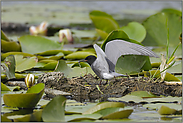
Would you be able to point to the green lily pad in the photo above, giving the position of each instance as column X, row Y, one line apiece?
column 3, row 36
column 81, row 64
column 5, row 119
column 157, row 29
column 164, row 110
column 103, row 34
column 77, row 118
column 23, row 64
column 142, row 94
column 172, row 10
column 37, row 44
column 25, row 100
column 168, row 76
column 4, row 87
column 135, row 31
column 54, row 110
column 103, row 21
column 34, row 117
column 62, row 67
column 10, row 46
column 104, row 105
column 119, row 114
column 128, row 98
column 49, row 52
column 49, row 66
column 155, row 106
column 4, row 55
column 130, row 64
column 76, row 71
column 56, row 57
column 9, row 66
column 79, row 55
column 116, row 34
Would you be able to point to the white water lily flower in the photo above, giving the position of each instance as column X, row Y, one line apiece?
column 30, row 80
column 66, row 33
column 40, row 29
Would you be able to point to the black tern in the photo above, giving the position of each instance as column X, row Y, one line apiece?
column 104, row 64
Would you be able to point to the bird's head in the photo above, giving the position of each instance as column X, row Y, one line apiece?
column 89, row 59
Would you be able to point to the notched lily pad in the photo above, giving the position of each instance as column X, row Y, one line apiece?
column 104, row 105
column 23, row 64
column 79, row 55
column 54, row 111
column 25, row 100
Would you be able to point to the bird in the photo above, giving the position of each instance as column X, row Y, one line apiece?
column 104, row 64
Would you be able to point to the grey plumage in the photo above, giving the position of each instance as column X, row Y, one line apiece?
column 104, row 64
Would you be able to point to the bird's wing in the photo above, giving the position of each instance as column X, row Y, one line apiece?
column 101, row 63
column 114, row 49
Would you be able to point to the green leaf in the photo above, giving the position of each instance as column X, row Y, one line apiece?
column 34, row 117
column 119, row 114
column 116, row 34
column 103, row 21
column 77, row 118
column 49, row 52
column 103, row 34
column 5, row 119
column 23, row 64
column 4, row 55
column 9, row 66
column 25, row 100
column 10, row 46
column 55, row 110
column 104, row 105
column 172, row 10
column 127, row 98
column 164, row 110
column 142, row 94
column 62, row 67
column 156, row 28
column 130, row 64
column 3, row 36
column 4, row 87
column 135, row 31
column 37, row 44
column 79, row 55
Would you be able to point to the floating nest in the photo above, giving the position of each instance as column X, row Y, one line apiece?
column 85, row 88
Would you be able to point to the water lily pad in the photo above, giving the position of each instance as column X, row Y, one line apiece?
column 103, row 34
column 157, row 29
column 142, row 94
column 4, row 55
column 37, row 44
column 10, row 46
column 24, row 63
column 4, row 87
column 130, row 64
column 62, row 67
column 79, row 55
column 104, row 105
column 119, row 114
column 25, row 100
column 33, row 117
column 54, row 110
column 103, row 21
column 49, row 52
column 5, row 119
column 135, row 31
column 77, row 118
column 9, row 66
column 164, row 110
column 127, row 98
column 3, row 36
